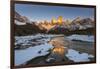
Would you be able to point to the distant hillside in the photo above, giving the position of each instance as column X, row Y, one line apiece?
column 88, row 31
column 23, row 26
column 27, row 30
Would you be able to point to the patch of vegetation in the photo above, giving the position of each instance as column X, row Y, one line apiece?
column 22, row 30
column 89, row 31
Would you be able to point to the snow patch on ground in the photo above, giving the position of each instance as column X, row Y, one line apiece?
column 81, row 37
column 26, row 40
column 77, row 57
column 19, row 23
column 49, row 59
column 22, row 56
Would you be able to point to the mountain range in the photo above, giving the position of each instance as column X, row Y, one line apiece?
column 24, row 26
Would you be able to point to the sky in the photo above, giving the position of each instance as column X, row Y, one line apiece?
column 45, row 12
